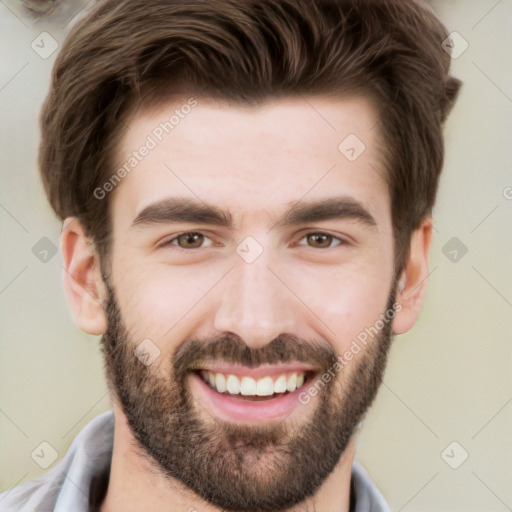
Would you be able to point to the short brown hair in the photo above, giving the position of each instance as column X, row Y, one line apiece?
column 126, row 53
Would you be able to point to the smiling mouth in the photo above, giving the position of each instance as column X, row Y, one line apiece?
column 263, row 388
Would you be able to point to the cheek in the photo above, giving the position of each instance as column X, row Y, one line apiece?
column 345, row 302
column 156, row 301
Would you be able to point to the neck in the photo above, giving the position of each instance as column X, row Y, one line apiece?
column 135, row 485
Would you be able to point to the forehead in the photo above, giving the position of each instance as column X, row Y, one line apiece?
column 251, row 161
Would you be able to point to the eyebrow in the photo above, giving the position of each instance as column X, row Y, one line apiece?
column 180, row 209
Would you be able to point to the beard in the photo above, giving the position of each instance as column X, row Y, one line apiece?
column 233, row 466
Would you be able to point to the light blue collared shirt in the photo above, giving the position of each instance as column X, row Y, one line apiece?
column 78, row 482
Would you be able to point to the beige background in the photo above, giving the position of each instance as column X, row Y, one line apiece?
column 449, row 379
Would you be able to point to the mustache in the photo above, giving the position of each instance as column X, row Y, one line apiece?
column 229, row 348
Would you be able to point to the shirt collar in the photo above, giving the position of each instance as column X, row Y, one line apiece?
column 89, row 457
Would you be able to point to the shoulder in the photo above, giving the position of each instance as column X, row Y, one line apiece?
column 90, row 449
column 368, row 498
column 39, row 494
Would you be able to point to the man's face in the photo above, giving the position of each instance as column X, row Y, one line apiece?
column 261, row 304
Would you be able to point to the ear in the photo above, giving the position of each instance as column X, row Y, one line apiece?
column 413, row 282
column 83, row 283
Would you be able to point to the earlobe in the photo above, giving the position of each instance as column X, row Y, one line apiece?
column 83, row 282
column 413, row 282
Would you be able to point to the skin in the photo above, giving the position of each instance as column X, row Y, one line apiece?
column 253, row 162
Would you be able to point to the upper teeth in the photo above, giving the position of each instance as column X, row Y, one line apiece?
column 247, row 386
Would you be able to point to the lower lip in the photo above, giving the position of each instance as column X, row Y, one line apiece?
column 236, row 408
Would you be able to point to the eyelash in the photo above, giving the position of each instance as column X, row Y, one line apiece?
column 169, row 242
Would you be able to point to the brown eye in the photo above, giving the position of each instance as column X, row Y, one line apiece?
column 190, row 240
column 322, row 240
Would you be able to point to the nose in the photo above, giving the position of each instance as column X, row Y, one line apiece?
column 256, row 303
